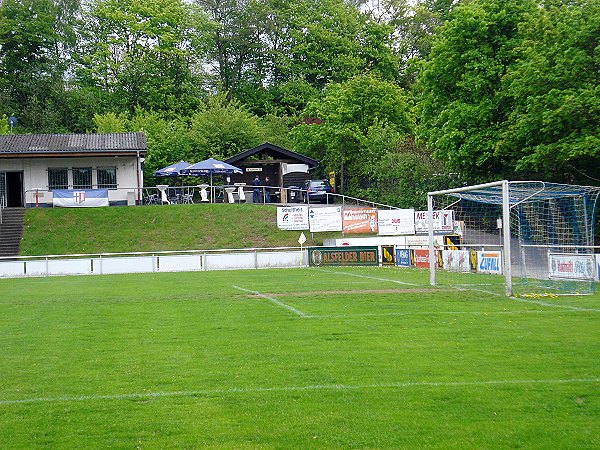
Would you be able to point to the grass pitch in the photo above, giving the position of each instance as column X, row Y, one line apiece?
column 293, row 358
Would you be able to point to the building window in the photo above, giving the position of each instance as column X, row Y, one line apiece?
column 58, row 179
column 82, row 178
column 107, row 177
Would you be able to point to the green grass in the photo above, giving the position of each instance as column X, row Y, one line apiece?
column 59, row 231
column 341, row 358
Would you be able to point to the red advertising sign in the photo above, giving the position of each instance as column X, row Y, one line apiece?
column 420, row 258
column 359, row 220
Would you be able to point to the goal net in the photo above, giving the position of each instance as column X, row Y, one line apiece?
column 520, row 237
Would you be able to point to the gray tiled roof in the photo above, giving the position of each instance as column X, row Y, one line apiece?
column 28, row 144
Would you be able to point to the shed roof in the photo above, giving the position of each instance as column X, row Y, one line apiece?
column 275, row 152
column 42, row 145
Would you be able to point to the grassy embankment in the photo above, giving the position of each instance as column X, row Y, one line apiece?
column 61, row 231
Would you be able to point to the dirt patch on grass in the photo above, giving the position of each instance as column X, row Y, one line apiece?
column 356, row 292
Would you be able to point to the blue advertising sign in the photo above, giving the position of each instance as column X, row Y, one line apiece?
column 403, row 257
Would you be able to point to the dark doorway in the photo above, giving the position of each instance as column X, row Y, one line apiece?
column 14, row 189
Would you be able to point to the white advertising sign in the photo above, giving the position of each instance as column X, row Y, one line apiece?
column 489, row 262
column 443, row 221
column 396, row 221
column 328, row 218
column 571, row 266
column 292, row 217
column 456, row 260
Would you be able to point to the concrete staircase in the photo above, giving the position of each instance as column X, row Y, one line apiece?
column 11, row 231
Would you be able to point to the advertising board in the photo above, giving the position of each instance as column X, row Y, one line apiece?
column 292, row 217
column 403, row 257
column 359, row 220
column 456, row 260
column 571, row 266
column 489, row 262
column 420, row 258
column 396, row 221
column 443, row 221
column 388, row 255
column 343, row 256
column 328, row 218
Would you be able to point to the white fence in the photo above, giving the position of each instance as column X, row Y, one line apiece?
column 187, row 261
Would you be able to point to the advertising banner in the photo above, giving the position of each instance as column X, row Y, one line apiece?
column 571, row 266
column 403, row 257
column 388, row 255
column 456, row 260
column 597, row 267
column 343, row 256
column 396, row 221
column 489, row 262
column 328, row 218
column 80, row 198
column 359, row 220
column 443, row 222
column 420, row 258
column 292, row 217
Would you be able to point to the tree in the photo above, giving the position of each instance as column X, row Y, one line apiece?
column 553, row 131
column 357, row 123
column 462, row 102
column 138, row 54
column 223, row 128
column 35, row 39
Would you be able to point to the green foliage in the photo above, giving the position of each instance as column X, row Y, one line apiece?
column 554, row 129
column 405, row 175
column 362, row 119
column 110, row 123
column 461, row 98
column 223, row 128
column 4, row 126
column 138, row 53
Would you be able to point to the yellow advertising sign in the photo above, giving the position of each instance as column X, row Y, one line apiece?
column 359, row 220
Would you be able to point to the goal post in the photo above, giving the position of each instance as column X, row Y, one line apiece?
column 538, row 236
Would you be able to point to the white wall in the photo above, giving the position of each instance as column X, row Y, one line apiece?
column 35, row 174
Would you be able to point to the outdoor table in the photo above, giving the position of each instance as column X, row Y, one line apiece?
column 163, row 193
column 203, row 193
column 229, row 191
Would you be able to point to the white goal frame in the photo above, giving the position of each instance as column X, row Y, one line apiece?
column 513, row 194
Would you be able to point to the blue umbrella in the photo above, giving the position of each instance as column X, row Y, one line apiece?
column 173, row 170
column 210, row 166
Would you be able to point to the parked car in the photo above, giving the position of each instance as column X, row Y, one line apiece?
column 317, row 191
column 294, row 194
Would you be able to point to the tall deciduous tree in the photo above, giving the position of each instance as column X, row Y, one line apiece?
column 36, row 37
column 463, row 105
column 358, row 122
column 137, row 53
column 554, row 129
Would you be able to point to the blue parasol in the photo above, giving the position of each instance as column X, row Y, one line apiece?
column 173, row 170
column 210, row 166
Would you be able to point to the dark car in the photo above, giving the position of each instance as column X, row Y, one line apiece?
column 317, row 191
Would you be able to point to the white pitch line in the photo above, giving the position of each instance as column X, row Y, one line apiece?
column 366, row 276
column 275, row 301
column 554, row 305
column 313, row 387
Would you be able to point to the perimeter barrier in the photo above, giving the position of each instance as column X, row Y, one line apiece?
column 149, row 262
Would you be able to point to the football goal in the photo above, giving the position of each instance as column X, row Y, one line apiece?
column 522, row 237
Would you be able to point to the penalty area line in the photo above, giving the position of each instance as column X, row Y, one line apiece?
column 274, row 301
column 313, row 387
